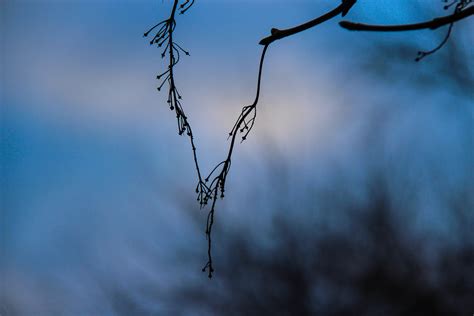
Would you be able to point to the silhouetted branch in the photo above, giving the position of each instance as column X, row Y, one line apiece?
column 242, row 125
column 213, row 186
column 246, row 121
column 462, row 10
column 164, row 37
column 432, row 24
column 277, row 34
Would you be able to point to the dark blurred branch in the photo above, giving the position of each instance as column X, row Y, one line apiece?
column 432, row 25
column 277, row 34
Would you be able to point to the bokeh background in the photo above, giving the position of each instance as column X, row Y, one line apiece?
column 353, row 194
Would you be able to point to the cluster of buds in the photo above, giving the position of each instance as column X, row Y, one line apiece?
column 245, row 122
column 163, row 38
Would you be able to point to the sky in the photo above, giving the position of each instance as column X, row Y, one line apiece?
column 97, row 188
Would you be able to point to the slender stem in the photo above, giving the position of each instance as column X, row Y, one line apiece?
column 251, row 107
column 170, row 32
column 218, row 183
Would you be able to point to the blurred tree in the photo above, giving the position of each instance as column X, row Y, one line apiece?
column 369, row 268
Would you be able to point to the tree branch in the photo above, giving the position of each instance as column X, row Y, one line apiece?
column 277, row 34
column 432, row 25
column 213, row 186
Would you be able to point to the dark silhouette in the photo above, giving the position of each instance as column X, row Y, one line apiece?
column 462, row 10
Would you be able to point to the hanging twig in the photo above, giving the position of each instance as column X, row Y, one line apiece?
column 164, row 38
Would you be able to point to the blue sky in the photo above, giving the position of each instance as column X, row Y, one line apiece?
column 98, row 187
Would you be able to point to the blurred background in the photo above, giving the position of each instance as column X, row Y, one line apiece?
column 353, row 195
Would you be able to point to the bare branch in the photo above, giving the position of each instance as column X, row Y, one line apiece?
column 432, row 24
column 277, row 34
column 164, row 38
column 462, row 10
column 218, row 182
column 213, row 185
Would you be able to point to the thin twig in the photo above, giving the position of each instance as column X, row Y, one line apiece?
column 218, row 183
